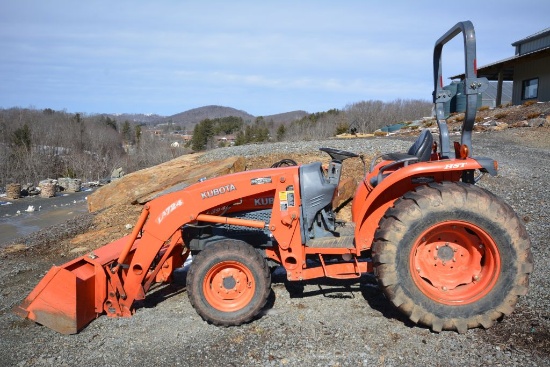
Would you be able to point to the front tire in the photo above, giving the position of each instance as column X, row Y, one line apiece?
column 452, row 256
column 228, row 283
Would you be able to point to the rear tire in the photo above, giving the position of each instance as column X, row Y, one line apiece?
column 452, row 256
column 228, row 283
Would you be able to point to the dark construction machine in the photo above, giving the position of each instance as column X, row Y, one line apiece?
column 448, row 254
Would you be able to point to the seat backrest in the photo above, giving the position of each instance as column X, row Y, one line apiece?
column 422, row 147
column 316, row 192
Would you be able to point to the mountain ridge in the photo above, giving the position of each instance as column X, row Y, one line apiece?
column 196, row 115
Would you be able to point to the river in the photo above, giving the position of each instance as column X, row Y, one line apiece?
column 24, row 216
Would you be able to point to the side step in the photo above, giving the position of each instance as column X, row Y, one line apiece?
column 344, row 239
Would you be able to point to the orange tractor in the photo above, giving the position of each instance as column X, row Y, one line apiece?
column 447, row 253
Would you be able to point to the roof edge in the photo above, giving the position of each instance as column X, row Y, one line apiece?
column 539, row 34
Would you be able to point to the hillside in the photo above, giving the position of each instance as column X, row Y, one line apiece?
column 196, row 115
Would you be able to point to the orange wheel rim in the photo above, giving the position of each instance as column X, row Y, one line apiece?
column 229, row 286
column 455, row 263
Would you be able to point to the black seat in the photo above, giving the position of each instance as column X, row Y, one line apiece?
column 420, row 151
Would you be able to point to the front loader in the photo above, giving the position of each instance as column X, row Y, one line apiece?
column 447, row 253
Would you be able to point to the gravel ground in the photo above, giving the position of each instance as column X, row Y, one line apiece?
column 333, row 324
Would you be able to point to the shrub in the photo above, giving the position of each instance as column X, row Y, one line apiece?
column 456, row 118
column 532, row 115
column 501, row 115
column 529, row 103
column 483, row 108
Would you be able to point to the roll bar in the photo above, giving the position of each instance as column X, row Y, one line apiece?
column 472, row 86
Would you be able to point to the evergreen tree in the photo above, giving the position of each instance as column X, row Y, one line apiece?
column 202, row 135
column 138, row 133
column 22, row 137
column 281, row 131
column 111, row 123
column 126, row 129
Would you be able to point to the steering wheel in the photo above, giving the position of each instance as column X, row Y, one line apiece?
column 338, row 155
column 284, row 162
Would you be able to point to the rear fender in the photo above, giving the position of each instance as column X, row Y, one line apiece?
column 371, row 203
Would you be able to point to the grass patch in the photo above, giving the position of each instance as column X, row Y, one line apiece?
column 529, row 103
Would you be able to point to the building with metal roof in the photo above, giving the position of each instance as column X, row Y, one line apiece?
column 528, row 70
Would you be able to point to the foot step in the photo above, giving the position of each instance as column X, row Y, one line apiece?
column 345, row 238
column 332, row 242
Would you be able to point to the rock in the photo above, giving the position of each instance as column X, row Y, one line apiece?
column 539, row 122
column 501, row 126
column 523, row 123
column 69, row 184
column 142, row 186
column 117, row 173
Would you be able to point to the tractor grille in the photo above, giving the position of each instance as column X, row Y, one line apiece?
column 260, row 215
column 200, row 237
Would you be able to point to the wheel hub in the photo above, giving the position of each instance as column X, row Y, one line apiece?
column 451, row 263
column 229, row 282
column 446, row 253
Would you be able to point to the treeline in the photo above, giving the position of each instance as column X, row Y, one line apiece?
column 361, row 117
column 210, row 133
column 40, row 144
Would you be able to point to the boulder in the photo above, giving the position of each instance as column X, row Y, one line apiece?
column 142, row 186
column 522, row 123
column 539, row 122
column 69, row 184
column 117, row 173
column 501, row 126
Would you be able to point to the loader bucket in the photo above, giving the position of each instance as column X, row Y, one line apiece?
column 71, row 295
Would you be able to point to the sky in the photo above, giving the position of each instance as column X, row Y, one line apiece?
column 262, row 57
